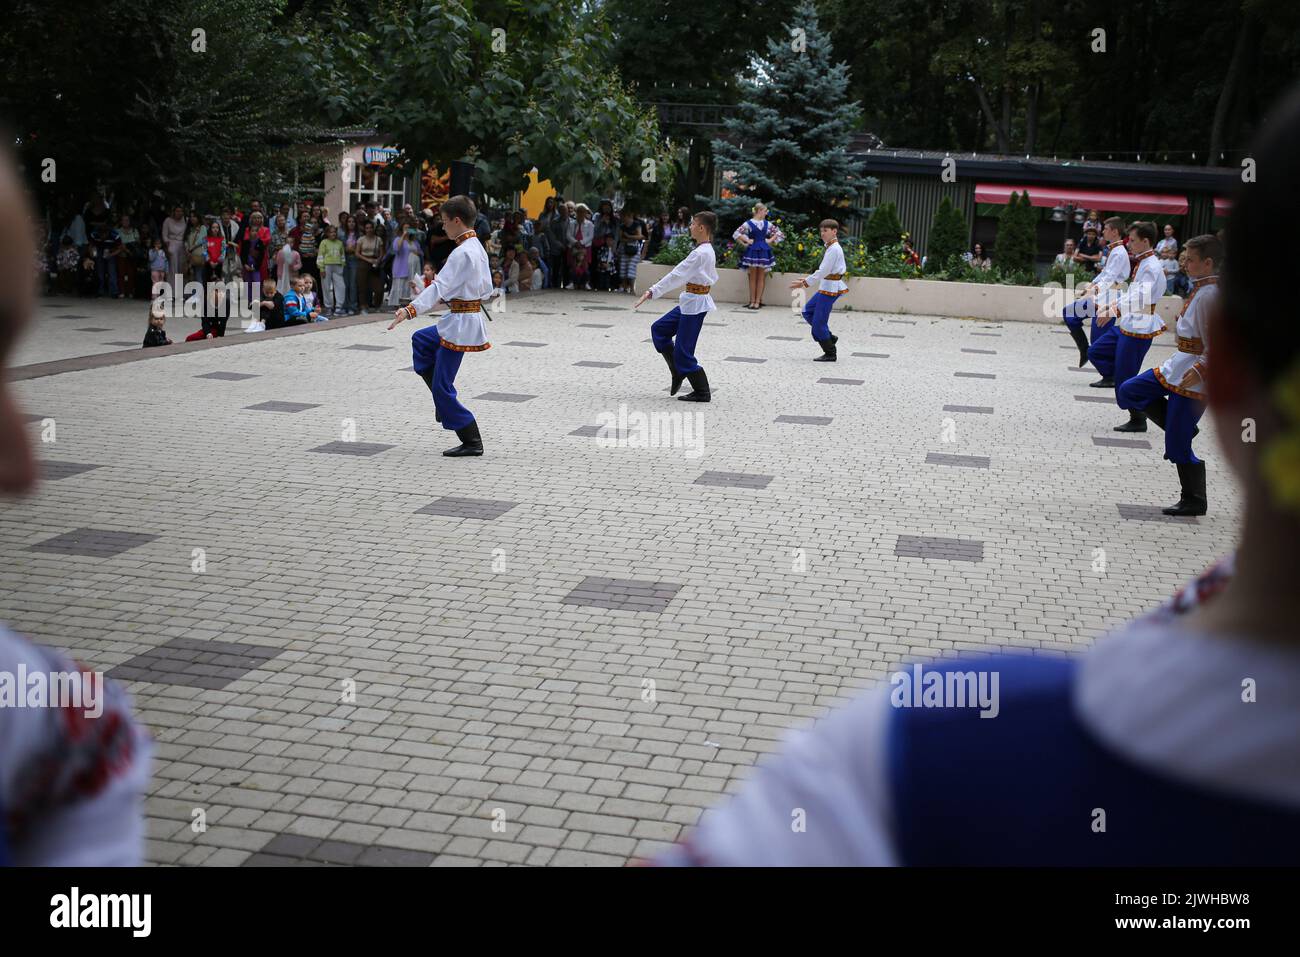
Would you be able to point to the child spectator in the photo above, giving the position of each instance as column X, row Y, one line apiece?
column 309, row 299
column 270, row 314
column 154, row 334
column 631, row 240
column 288, row 263
column 68, row 261
column 295, row 306
column 525, row 272
column 88, row 284
column 541, row 272
column 510, row 269
column 425, row 280
column 330, row 259
column 157, row 262
column 216, row 252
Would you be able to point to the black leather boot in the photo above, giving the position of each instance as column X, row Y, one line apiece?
column 428, row 380
column 1105, row 382
column 1137, row 422
column 1193, row 500
column 828, row 350
column 1156, row 412
column 1081, row 340
column 677, row 376
column 471, row 443
column 700, row 385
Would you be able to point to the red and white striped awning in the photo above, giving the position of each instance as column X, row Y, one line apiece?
column 1105, row 200
column 1222, row 206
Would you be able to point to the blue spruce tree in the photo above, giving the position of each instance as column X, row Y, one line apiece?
column 787, row 142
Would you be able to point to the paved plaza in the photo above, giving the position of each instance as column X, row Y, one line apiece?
column 351, row 650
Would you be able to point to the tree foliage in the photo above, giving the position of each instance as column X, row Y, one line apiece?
column 788, row 142
column 168, row 97
column 884, row 228
column 505, row 84
column 948, row 235
column 1016, row 242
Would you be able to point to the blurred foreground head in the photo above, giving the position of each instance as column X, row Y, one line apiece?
column 1254, row 376
column 17, row 293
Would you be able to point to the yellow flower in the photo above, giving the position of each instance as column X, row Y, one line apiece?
column 801, row 247
column 1287, row 395
column 1281, row 467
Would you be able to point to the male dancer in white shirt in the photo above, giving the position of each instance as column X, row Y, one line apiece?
column 1095, row 296
column 1136, row 312
column 1173, row 396
column 675, row 333
column 465, row 280
column 829, row 279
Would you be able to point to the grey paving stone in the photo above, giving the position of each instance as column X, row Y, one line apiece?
column 595, row 325
column 1102, row 399
column 623, row 594
column 197, row 663
column 962, row 461
column 94, row 328
column 527, row 345
column 833, row 381
column 735, row 479
column 32, row 417
column 592, row 364
column 991, row 335
column 503, row 397
column 976, row 409
column 902, row 322
column 943, row 549
column 93, row 542
column 1109, row 442
column 53, row 471
column 479, row 508
column 742, row 359
column 804, row 419
column 277, row 406
column 887, row 335
column 715, row 323
column 1153, row 513
column 364, row 347
column 982, row 352
column 604, row 308
column 787, row 338
column 598, row 431
column 228, row 376
column 394, row 857
column 352, row 448
column 974, row 375
column 872, row 355
column 76, row 316
column 125, row 342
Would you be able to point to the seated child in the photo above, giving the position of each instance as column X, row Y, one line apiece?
column 154, row 334
column 68, row 261
column 295, row 307
column 270, row 315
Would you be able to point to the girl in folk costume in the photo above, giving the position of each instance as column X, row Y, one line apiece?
column 757, row 236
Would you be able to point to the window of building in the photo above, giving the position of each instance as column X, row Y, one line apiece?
column 385, row 188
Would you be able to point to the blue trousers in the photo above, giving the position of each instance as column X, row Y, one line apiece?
column 1082, row 309
column 677, row 331
column 1129, row 353
column 1181, row 413
column 817, row 313
column 428, row 354
column 1102, row 351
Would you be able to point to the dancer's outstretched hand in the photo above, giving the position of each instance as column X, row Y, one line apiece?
column 401, row 315
column 799, row 284
column 644, row 296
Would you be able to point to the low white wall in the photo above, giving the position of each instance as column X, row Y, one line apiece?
column 917, row 297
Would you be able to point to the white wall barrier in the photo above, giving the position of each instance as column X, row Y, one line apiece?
column 914, row 297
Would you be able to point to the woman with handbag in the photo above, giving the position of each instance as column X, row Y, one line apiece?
column 370, row 278
column 196, row 247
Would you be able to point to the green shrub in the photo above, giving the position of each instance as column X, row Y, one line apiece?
column 883, row 229
column 948, row 235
